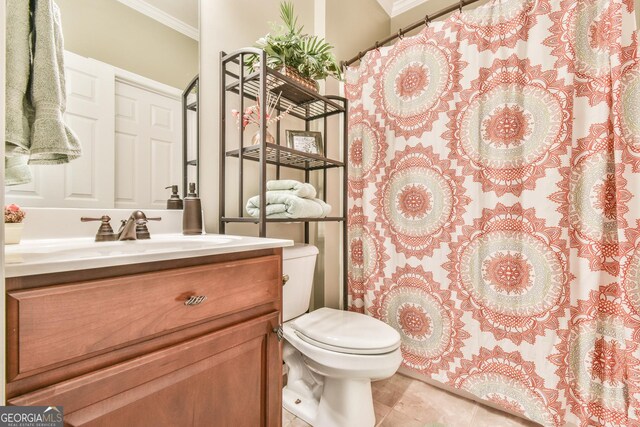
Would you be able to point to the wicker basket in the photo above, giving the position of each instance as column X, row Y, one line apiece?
column 293, row 74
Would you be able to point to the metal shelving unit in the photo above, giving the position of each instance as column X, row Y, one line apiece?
column 190, row 99
column 303, row 104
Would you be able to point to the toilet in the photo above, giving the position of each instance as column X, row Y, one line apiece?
column 331, row 356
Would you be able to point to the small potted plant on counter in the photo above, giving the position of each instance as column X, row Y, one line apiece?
column 13, row 217
column 301, row 57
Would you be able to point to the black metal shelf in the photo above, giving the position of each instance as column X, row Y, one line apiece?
column 302, row 103
column 189, row 158
column 292, row 220
column 239, row 86
column 287, row 157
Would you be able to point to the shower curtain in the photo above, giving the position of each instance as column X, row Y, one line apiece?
column 494, row 205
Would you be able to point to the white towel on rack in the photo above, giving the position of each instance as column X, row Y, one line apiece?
column 282, row 204
column 292, row 186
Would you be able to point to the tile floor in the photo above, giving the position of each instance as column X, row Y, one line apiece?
column 404, row 402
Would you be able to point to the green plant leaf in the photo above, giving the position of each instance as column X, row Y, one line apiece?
column 311, row 56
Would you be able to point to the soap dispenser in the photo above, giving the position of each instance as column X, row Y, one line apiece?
column 192, row 215
column 174, row 202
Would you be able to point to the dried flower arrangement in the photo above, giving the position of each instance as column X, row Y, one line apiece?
column 252, row 114
column 13, row 214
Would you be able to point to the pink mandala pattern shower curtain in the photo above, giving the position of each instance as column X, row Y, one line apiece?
column 494, row 216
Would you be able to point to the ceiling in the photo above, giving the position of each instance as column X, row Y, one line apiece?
column 181, row 15
column 396, row 7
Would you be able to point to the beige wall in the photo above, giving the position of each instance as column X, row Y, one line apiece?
column 354, row 25
column 420, row 11
column 111, row 32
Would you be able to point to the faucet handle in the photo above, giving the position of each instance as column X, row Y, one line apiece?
column 142, row 232
column 105, row 232
column 140, row 217
column 103, row 218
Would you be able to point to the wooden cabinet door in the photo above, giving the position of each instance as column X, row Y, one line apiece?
column 227, row 378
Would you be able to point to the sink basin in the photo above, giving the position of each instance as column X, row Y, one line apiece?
column 61, row 250
column 55, row 255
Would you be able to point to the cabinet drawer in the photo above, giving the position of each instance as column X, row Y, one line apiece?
column 48, row 326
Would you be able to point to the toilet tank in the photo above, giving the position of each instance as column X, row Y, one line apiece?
column 298, row 262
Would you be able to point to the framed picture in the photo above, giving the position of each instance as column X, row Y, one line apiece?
column 305, row 141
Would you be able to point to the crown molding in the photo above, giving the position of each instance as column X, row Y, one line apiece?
column 147, row 84
column 400, row 6
column 162, row 17
column 387, row 5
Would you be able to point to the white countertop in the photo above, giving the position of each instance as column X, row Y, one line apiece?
column 32, row 257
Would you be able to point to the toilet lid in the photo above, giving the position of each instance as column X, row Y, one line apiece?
column 346, row 332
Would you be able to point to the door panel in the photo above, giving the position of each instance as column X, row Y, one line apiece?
column 229, row 378
column 131, row 138
column 222, row 390
column 86, row 182
column 152, row 123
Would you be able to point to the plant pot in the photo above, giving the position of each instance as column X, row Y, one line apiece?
column 12, row 233
column 255, row 139
column 293, row 74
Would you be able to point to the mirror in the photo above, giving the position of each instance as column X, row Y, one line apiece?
column 127, row 67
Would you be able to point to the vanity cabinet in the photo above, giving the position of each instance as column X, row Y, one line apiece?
column 122, row 348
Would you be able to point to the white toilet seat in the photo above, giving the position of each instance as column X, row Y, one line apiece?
column 346, row 350
column 346, row 332
column 344, row 365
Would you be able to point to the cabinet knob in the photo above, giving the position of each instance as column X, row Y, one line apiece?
column 285, row 279
column 195, row 300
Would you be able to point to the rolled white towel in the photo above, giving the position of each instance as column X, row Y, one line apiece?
column 300, row 189
column 282, row 204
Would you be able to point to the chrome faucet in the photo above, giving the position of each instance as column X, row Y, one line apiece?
column 135, row 228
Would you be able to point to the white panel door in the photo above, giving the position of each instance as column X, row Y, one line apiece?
column 86, row 182
column 148, row 147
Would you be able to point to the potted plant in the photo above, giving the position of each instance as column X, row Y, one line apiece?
column 13, row 217
column 300, row 56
